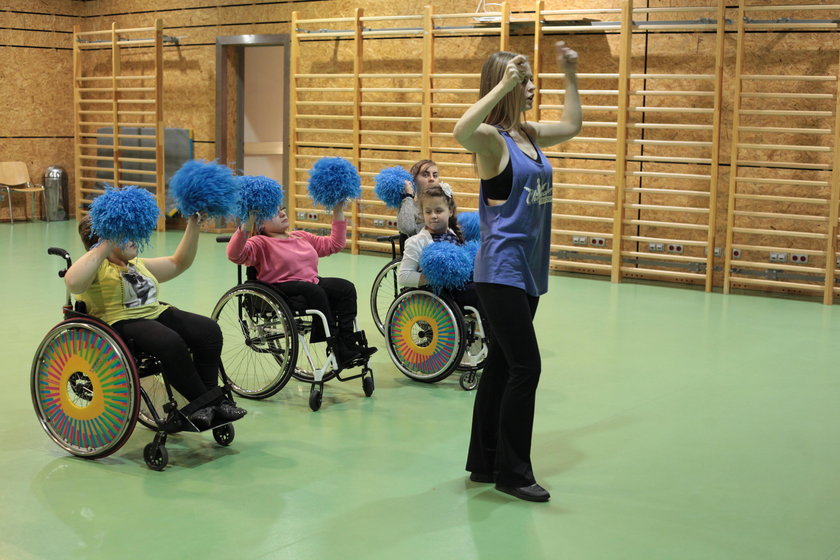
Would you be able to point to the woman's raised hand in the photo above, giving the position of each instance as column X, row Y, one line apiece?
column 566, row 57
column 516, row 71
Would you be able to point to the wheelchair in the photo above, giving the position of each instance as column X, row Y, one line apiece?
column 386, row 288
column 429, row 336
column 89, row 390
column 267, row 342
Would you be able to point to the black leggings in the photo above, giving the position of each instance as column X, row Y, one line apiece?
column 503, row 414
column 334, row 297
column 187, row 345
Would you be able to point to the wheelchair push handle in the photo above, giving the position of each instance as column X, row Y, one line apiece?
column 59, row 252
column 394, row 240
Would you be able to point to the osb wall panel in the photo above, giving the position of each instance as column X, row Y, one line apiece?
column 36, row 89
column 189, row 97
column 38, row 154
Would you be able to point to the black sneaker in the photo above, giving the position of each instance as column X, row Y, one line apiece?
column 202, row 418
column 228, row 412
column 368, row 351
column 345, row 354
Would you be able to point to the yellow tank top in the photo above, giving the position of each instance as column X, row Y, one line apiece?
column 119, row 293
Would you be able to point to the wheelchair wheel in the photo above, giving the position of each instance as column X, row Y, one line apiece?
column 469, row 380
column 260, row 336
column 224, row 434
column 425, row 335
column 385, row 290
column 156, row 456
column 85, row 388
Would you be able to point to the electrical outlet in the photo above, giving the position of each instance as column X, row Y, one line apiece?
column 675, row 248
column 656, row 247
column 391, row 223
column 736, row 253
column 797, row 258
column 597, row 241
column 311, row 216
column 301, row 215
column 718, row 251
column 778, row 257
column 579, row 240
column 378, row 223
column 837, row 262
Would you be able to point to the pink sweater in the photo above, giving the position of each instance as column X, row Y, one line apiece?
column 282, row 259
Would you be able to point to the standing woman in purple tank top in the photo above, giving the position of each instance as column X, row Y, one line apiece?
column 511, row 267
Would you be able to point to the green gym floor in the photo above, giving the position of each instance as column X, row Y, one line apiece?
column 671, row 424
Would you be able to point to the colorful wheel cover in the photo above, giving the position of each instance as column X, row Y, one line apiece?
column 85, row 390
column 424, row 333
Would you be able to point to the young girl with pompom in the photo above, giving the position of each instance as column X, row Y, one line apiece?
column 288, row 260
column 440, row 224
column 122, row 289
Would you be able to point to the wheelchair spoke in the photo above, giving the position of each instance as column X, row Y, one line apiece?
column 259, row 333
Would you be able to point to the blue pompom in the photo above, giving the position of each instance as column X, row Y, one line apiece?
column 126, row 215
column 472, row 248
column 333, row 180
column 447, row 266
column 468, row 221
column 258, row 195
column 206, row 187
column 390, row 184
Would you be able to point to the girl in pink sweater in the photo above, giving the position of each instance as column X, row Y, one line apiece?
column 288, row 261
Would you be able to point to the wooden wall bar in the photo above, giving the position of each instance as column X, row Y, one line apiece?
column 691, row 137
column 639, row 193
column 126, row 95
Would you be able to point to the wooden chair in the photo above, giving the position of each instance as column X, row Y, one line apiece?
column 14, row 177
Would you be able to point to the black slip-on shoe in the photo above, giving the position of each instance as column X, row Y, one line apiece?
column 202, row 418
column 532, row 493
column 228, row 412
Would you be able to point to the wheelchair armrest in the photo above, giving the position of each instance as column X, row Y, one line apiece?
column 222, row 238
column 390, row 238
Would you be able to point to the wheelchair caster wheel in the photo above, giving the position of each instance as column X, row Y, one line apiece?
column 224, row 434
column 315, row 396
column 469, row 380
column 367, row 385
column 156, row 456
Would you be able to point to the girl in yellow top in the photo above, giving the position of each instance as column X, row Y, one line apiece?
column 122, row 290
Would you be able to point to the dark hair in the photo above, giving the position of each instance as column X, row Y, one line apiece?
column 89, row 239
column 437, row 192
column 419, row 167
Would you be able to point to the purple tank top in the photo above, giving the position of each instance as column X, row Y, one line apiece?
column 516, row 236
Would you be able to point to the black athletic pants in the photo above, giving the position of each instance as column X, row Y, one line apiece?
column 503, row 414
column 188, row 346
column 334, row 297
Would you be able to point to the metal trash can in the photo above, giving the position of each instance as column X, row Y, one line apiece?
column 55, row 185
